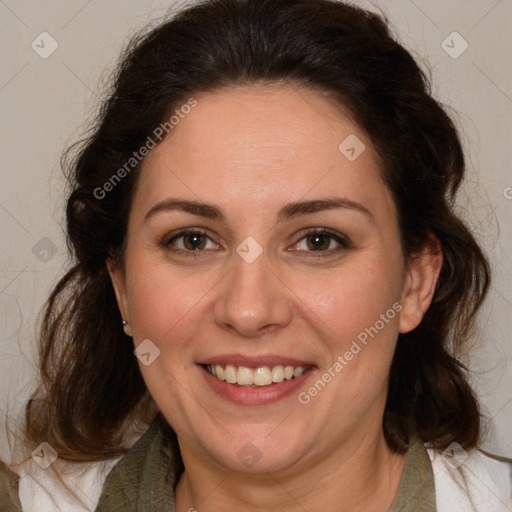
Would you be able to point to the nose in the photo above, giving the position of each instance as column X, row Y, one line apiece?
column 252, row 301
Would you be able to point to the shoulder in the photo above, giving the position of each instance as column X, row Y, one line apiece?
column 9, row 483
column 81, row 487
column 474, row 481
column 70, row 487
column 34, row 488
column 144, row 478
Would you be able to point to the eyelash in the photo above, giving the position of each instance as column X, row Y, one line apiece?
column 343, row 241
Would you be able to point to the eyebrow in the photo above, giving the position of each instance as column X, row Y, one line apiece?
column 288, row 212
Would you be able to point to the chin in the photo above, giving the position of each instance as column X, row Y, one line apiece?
column 257, row 452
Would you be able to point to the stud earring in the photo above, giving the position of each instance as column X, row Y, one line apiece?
column 127, row 329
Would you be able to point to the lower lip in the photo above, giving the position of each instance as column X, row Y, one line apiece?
column 258, row 395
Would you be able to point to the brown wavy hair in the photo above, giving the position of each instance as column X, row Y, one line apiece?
column 91, row 387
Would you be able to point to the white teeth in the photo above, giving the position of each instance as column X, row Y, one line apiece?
column 298, row 371
column 277, row 374
column 219, row 372
column 230, row 374
column 288, row 372
column 262, row 376
column 244, row 376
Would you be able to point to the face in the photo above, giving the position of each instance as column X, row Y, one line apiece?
column 257, row 242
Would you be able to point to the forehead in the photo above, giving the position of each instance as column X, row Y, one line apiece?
column 263, row 145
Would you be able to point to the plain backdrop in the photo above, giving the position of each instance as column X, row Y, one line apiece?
column 47, row 101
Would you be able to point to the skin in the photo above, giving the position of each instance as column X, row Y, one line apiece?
column 251, row 150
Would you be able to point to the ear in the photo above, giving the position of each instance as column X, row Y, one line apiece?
column 119, row 283
column 420, row 283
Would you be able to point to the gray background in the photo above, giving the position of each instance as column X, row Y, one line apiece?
column 47, row 103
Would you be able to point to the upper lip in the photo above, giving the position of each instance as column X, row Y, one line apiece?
column 254, row 361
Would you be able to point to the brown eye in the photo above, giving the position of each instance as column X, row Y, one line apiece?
column 191, row 241
column 322, row 241
column 318, row 242
column 194, row 241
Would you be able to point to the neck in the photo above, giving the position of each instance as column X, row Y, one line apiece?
column 366, row 478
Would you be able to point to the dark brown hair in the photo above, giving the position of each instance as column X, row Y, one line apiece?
column 91, row 387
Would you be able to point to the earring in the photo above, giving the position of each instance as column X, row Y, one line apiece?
column 127, row 329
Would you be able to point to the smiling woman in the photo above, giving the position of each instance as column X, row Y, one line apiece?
column 286, row 264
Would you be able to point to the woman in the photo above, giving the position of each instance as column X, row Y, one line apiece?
column 265, row 213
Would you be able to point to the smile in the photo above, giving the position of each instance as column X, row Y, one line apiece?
column 261, row 376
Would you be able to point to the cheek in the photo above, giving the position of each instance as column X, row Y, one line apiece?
column 165, row 302
column 351, row 299
column 355, row 313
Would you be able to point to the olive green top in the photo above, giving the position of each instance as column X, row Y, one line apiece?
column 143, row 479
